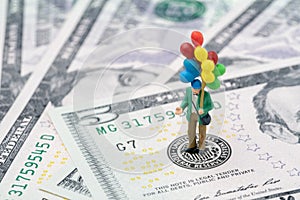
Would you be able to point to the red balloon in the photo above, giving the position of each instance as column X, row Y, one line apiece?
column 197, row 38
column 213, row 56
column 187, row 50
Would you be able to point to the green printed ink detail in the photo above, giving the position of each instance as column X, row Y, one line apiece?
column 30, row 166
column 217, row 105
column 180, row 10
column 135, row 123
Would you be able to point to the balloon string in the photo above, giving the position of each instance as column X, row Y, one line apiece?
column 202, row 94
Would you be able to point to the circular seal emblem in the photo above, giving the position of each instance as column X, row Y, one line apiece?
column 179, row 10
column 216, row 153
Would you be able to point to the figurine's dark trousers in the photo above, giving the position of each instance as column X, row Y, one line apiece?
column 192, row 125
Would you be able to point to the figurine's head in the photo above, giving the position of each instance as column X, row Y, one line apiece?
column 196, row 86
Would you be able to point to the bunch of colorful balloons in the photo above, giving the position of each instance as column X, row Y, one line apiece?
column 197, row 56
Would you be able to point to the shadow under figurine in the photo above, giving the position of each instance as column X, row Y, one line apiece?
column 196, row 114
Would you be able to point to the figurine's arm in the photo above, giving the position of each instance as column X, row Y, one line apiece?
column 208, row 104
column 184, row 102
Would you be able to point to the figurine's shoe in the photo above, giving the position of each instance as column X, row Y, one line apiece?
column 202, row 147
column 192, row 150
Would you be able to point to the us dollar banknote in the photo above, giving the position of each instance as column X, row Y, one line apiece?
column 13, row 168
column 29, row 27
column 62, row 52
column 271, row 37
column 248, row 143
column 56, row 99
column 254, row 7
column 42, row 21
column 87, row 20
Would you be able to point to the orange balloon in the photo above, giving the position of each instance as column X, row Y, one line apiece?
column 197, row 38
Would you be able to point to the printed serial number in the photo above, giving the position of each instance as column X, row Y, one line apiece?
column 31, row 164
column 143, row 121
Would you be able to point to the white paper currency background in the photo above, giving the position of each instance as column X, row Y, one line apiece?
column 123, row 19
column 94, row 23
column 257, row 167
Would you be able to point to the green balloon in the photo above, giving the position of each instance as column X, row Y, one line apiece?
column 214, row 85
column 221, row 68
column 216, row 72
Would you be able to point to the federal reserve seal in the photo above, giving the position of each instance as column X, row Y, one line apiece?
column 216, row 153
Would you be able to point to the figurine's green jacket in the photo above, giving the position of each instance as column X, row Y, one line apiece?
column 187, row 102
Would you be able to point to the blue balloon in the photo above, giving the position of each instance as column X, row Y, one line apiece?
column 192, row 66
column 186, row 76
column 196, row 84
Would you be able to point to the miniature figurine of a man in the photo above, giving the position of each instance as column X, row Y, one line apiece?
column 196, row 114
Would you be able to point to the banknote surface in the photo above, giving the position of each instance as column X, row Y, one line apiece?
column 28, row 30
column 268, row 38
column 40, row 159
column 251, row 143
column 67, row 53
column 272, row 37
column 31, row 175
column 11, row 55
column 182, row 16
column 130, row 76
column 2, row 29
column 67, row 182
column 86, row 49
column 42, row 21
column 124, row 73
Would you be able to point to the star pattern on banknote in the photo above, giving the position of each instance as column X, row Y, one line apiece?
column 278, row 165
column 233, row 96
column 237, row 127
column 294, row 172
column 232, row 106
column 244, row 138
column 234, row 117
column 265, row 156
column 253, row 147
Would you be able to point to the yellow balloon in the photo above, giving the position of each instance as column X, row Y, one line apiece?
column 208, row 77
column 208, row 65
column 200, row 53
